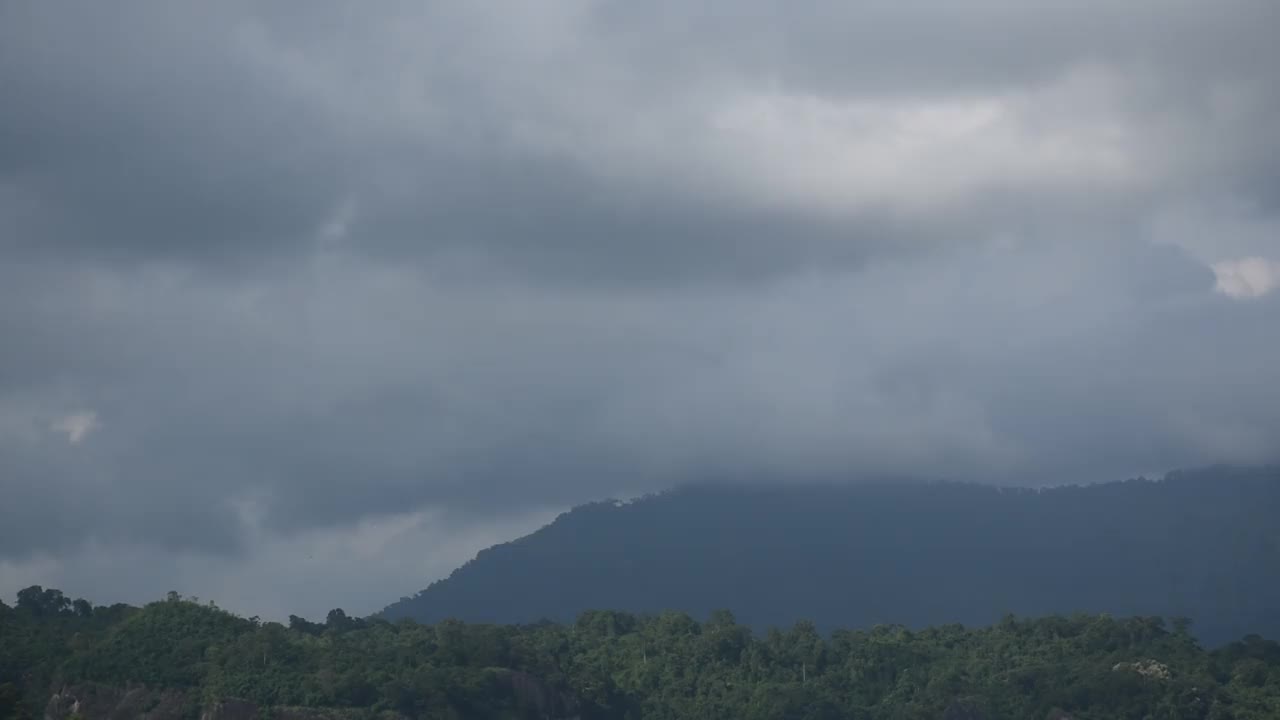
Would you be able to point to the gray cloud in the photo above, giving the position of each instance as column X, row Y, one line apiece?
column 315, row 273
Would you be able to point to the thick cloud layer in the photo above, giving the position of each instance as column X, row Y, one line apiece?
column 273, row 280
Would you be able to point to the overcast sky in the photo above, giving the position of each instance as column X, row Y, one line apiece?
column 301, row 304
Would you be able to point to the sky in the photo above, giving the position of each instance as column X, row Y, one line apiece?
column 301, row 305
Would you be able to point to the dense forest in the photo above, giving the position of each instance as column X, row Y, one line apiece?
column 179, row 658
column 1202, row 544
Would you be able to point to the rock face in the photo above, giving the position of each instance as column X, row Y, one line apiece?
column 101, row 702
column 1146, row 668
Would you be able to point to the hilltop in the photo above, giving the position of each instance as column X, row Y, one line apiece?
column 1202, row 544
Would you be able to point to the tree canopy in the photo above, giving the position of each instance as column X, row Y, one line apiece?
column 617, row 665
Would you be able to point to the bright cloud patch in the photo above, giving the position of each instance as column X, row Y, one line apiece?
column 76, row 426
column 1247, row 278
column 849, row 153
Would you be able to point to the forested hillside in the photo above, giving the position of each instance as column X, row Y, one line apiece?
column 180, row 659
column 1202, row 544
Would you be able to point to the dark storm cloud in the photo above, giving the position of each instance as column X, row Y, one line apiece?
column 138, row 133
column 360, row 277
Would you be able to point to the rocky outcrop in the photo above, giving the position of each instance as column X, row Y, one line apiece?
column 1146, row 668
column 101, row 702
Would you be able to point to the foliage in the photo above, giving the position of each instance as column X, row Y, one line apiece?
column 616, row 665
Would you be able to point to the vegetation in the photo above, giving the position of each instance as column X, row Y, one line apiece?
column 928, row 556
column 1201, row 544
column 617, row 665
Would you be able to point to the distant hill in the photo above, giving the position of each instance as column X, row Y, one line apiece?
column 1203, row 544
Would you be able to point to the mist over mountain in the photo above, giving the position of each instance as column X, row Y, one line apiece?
column 1202, row 544
column 301, row 302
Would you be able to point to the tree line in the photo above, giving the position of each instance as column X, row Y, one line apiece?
column 617, row 665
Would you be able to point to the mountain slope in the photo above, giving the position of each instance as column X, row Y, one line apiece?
column 1203, row 544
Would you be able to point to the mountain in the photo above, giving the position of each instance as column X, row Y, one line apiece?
column 1203, row 544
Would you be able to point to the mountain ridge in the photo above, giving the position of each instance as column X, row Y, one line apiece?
column 1197, row 543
